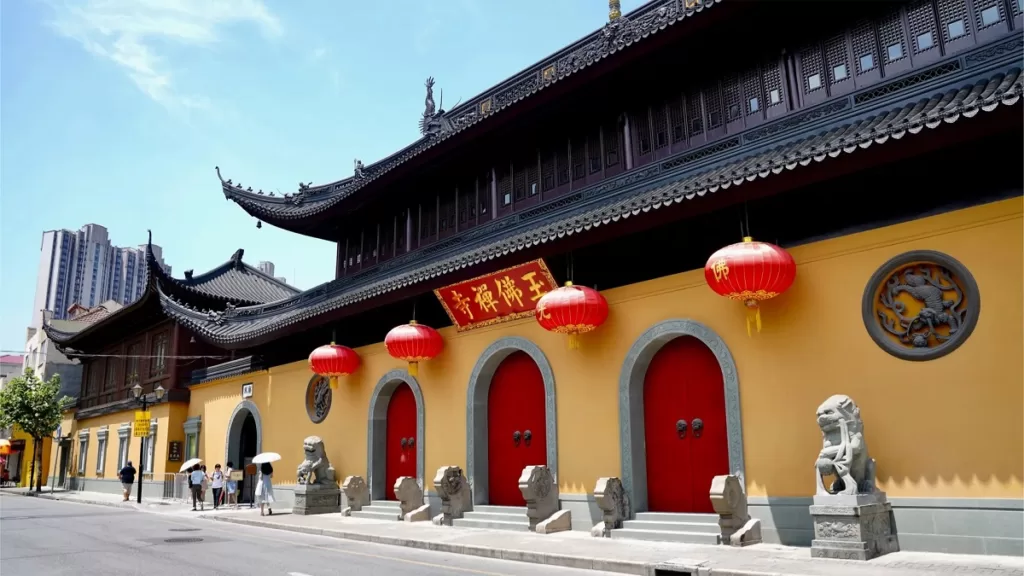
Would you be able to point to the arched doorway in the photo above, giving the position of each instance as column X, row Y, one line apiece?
column 515, row 427
column 684, row 427
column 244, row 440
column 395, row 434
column 511, row 389
column 678, row 371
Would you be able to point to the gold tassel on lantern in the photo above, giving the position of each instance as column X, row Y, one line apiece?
column 334, row 382
column 413, row 369
column 753, row 316
column 574, row 341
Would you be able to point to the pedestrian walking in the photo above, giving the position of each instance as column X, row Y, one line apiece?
column 206, row 482
column 231, row 486
column 217, row 483
column 265, row 488
column 127, row 476
column 196, row 482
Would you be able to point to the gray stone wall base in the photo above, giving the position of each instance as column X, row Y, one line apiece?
column 950, row 525
column 150, row 490
column 583, row 508
column 316, row 500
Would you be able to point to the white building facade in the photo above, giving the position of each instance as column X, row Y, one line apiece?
column 83, row 267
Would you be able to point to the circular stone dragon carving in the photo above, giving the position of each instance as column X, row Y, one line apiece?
column 318, row 398
column 921, row 305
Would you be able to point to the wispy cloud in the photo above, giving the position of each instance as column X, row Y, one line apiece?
column 130, row 33
column 318, row 53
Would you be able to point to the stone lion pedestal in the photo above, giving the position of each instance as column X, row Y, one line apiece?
column 852, row 518
column 316, row 490
column 857, row 527
column 316, row 499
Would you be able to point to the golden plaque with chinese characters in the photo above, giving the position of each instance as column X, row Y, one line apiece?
column 497, row 297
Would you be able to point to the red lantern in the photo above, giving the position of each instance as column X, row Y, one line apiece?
column 571, row 310
column 413, row 343
column 333, row 361
column 750, row 272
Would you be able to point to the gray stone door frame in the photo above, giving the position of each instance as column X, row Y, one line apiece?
column 476, row 409
column 232, row 441
column 632, row 447
column 377, row 431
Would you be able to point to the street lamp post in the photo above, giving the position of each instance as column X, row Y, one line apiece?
column 136, row 392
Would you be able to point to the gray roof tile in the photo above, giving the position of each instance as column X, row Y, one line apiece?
column 234, row 327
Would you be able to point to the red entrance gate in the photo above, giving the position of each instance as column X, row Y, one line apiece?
column 684, row 427
column 515, row 427
column 400, row 459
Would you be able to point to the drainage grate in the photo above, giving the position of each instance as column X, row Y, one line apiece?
column 184, row 529
column 182, row 540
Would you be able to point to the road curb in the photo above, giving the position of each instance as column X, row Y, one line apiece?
column 562, row 560
column 73, row 500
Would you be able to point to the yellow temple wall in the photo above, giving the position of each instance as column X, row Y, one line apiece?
column 948, row 427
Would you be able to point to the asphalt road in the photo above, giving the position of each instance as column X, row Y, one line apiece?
column 43, row 537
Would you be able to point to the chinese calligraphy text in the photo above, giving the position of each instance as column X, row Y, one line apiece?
column 497, row 297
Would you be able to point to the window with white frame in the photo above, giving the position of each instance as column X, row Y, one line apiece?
column 150, row 443
column 124, row 442
column 101, row 449
column 192, row 426
column 83, row 449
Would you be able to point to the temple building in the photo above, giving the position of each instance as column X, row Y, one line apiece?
column 748, row 230
column 140, row 344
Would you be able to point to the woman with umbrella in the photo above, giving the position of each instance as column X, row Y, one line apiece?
column 265, row 487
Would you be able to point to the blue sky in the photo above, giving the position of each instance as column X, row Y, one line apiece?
column 117, row 111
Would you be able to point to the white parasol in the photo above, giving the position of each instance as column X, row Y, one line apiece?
column 190, row 463
column 266, row 457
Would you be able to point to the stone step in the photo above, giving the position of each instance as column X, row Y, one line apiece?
column 701, row 527
column 520, row 526
column 386, row 504
column 677, row 517
column 666, row 536
column 496, row 516
column 490, row 509
column 370, row 513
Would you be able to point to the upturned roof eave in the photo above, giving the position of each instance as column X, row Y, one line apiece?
column 298, row 211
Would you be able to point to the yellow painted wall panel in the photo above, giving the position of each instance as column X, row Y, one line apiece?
column 944, row 428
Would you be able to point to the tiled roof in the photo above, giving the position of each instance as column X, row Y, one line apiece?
column 614, row 37
column 98, row 313
column 233, row 281
column 11, row 359
column 859, row 130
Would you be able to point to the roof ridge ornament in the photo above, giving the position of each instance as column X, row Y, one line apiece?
column 236, row 258
column 614, row 10
column 433, row 122
column 359, row 169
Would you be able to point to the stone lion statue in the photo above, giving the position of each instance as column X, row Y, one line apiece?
column 316, row 465
column 844, row 453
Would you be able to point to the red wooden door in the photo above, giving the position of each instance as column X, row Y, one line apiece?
column 683, row 386
column 515, row 404
column 400, row 459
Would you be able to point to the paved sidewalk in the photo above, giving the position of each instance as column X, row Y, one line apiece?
column 577, row 549
column 580, row 550
column 154, row 505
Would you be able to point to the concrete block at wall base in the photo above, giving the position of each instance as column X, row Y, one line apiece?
column 583, row 507
column 951, row 525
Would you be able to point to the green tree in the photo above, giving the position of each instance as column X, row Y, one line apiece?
column 37, row 408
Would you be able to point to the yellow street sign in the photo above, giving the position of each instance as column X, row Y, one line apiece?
column 142, row 420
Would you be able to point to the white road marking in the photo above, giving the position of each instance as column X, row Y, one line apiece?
column 297, row 574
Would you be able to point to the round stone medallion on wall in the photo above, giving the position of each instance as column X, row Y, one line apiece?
column 318, row 398
column 921, row 305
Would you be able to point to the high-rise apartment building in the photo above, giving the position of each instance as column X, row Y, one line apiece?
column 82, row 267
column 268, row 269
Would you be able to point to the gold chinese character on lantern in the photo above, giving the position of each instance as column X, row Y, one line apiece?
column 508, row 290
column 462, row 304
column 721, row 270
column 542, row 311
column 485, row 298
column 536, row 286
